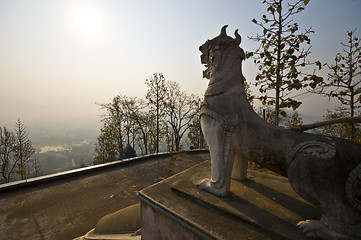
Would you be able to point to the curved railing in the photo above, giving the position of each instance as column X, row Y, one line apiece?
column 85, row 170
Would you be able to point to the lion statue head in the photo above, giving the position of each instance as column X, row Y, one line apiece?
column 222, row 58
column 213, row 52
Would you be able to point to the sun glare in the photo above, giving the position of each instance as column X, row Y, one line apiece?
column 86, row 20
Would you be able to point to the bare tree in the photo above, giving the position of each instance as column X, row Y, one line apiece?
column 344, row 78
column 337, row 124
column 180, row 110
column 135, row 110
column 24, row 149
column 155, row 96
column 36, row 166
column 7, row 148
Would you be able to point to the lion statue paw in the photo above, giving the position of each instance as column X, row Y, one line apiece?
column 315, row 229
column 209, row 186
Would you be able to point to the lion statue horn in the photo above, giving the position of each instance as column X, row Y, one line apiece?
column 223, row 31
column 238, row 37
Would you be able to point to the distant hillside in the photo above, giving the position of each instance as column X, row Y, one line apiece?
column 58, row 161
column 310, row 119
column 63, row 146
column 65, row 134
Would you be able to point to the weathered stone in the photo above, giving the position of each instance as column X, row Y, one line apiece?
column 121, row 225
column 71, row 205
column 261, row 207
column 321, row 169
column 126, row 220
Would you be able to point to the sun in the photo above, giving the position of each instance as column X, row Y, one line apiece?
column 86, row 20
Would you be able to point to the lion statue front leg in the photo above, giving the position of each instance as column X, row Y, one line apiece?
column 219, row 139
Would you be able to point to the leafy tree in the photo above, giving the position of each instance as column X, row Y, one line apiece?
column 281, row 55
column 294, row 120
column 156, row 95
column 344, row 78
column 106, row 145
column 109, row 146
column 115, row 119
column 249, row 94
column 181, row 109
column 195, row 135
column 24, row 150
column 268, row 114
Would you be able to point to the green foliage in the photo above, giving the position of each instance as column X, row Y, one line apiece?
column 249, row 94
column 282, row 55
column 110, row 142
column 195, row 135
column 306, row 1
column 106, row 149
column 268, row 114
column 294, row 120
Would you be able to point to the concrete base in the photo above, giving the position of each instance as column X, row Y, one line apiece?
column 124, row 224
column 93, row 236
column 261, row 207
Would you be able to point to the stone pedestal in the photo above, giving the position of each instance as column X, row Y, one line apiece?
column 260, row 207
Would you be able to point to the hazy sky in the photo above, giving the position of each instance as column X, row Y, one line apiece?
column 59, row 57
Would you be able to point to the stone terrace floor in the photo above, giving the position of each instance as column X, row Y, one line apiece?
column 69, row 208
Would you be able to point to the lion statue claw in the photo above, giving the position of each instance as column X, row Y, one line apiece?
column 323, row 170
column 317, row 230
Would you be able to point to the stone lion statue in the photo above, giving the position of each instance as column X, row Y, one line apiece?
column 325, row 171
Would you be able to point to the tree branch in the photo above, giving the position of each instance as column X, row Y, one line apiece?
column 305, row 127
